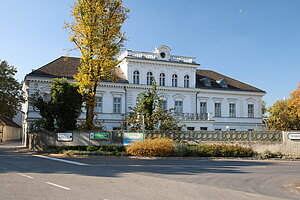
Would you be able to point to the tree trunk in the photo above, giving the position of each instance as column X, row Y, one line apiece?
column 90, row 110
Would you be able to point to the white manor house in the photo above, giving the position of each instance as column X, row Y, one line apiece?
column 203, row 99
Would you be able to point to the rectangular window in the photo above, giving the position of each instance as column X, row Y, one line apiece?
column 190, row 128
column 250, row 110
column 203, row 128
column 178, row 107
column 217, row 109
column 232, row 112
column 99, row 106
column 203, row 108
column 218, row 129
column 117, row 105
column 233, row 129
column 250, row 129
column 164, row 105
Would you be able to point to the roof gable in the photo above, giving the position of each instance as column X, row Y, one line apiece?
column 8, row 122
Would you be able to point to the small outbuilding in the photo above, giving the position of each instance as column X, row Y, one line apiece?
column 9, row 130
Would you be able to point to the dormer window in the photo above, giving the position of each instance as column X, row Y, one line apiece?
column 223, row 83
column 206, row 82
column 186, row 81
column 174, row 80
column 149, row 78
column 136, row 77
column 162, row 79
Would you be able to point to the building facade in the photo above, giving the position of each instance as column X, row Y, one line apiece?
column 203, row 99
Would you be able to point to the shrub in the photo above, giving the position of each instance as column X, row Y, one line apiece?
column 92, row 148
column 152, row 147
column 269, row 154
column 214, row 150
column 181, row 149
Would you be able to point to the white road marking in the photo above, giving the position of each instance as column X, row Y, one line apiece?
column 56, row 185
column 62, row 160
column 25, row 175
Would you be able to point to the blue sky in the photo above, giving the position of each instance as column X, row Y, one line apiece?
column 254, row 41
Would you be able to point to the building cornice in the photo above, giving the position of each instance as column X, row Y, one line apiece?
column 160, row 88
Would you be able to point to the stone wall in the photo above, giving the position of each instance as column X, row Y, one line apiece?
column 259, row 141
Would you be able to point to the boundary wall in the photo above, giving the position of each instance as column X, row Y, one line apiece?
column 259, row 141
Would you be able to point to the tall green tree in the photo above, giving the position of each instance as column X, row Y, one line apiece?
column 10, row 90
column 61, row 109
column 66, row 103
column 96, row 32
column 148, row 113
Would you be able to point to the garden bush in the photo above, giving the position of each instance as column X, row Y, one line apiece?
column 92, row 148
column 152, row 147
column 181, row 149
column 269, row 154
column 215, row 150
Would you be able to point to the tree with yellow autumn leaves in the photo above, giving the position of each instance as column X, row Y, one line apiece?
column 285, row 114
column 96, row 33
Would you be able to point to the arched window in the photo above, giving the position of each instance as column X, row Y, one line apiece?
column 186, row 81
column 174, row 80
column 136, row 77
column 149, row 78
column 162, row 79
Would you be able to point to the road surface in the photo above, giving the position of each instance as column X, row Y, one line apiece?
column 24, row 176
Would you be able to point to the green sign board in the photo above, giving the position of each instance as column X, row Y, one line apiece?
column 100, row 136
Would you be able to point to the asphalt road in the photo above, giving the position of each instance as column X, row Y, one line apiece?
column 24, row 176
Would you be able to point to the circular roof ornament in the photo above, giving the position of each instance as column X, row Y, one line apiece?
column 162, row 54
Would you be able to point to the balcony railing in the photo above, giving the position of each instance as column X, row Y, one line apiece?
column 152, row 56
column 191, row 116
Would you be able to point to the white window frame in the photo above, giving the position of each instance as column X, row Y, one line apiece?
column 250, row 110
column 203, row 107
column 150, row 78
column 117, row 103
column 162, row 79
column 136, row 77
column 186, row 81
column 218, row 109
column 164, row 104
column 99, row 104
column 178, row 105
column 232, row 110
column 174, row 80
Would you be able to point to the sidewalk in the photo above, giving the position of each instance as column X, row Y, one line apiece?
column 15, row 145
column 11, row 144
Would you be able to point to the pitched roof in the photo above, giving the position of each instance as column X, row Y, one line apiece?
column 8, row 122
column 214, row 76
column 67, row 67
